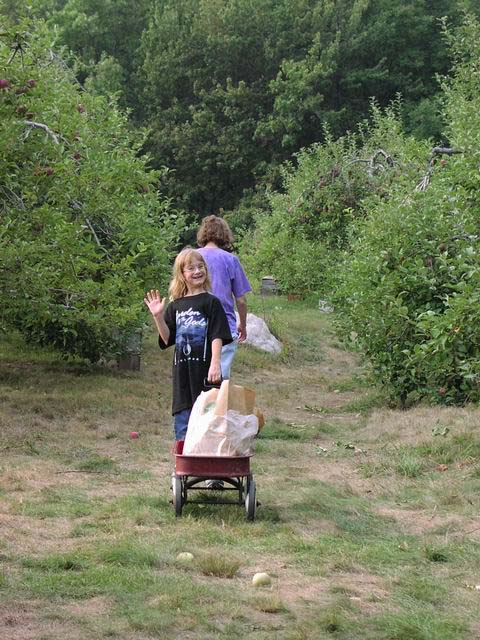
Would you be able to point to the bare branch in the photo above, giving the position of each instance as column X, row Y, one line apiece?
column 18, row 47
column 373, row 165
column 364, row 160
column 436, row 151
column 424, row 182
column 89, row 225
column 448, row 151
column 40, row 125
column 115, row 473
column 75, row 205
column 67, row 292
column 54, row 57
column 12, row 196
column 73, row 267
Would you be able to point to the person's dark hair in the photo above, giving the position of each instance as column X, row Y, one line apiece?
column 215, row 229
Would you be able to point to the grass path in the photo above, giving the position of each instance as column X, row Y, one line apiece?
column 369, row 519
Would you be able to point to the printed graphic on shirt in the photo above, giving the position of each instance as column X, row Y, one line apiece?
column 191, row 335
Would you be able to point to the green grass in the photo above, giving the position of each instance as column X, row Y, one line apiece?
column 407, row 463
column 372, row 542
column 218, row 563
column 3, row 580
column 55, row 503
column 366, row 403
column 84, row 459
column 277, row 429
column 429, row 456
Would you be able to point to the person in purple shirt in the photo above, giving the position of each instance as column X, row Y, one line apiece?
column 229, row 282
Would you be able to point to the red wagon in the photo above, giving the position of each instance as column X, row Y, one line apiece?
column 191, row 473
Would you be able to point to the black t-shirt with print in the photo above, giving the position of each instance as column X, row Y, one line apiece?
column 193, row 321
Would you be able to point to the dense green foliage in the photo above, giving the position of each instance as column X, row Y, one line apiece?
column 234, row 87
column 410, row 284
column 392, row 237
column 83, row 230
column 300, row 237
column 264, row 110
column 104, row 37
column 231, row 88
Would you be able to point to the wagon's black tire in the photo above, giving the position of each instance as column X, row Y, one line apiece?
column 251, row 499
column 177, row 487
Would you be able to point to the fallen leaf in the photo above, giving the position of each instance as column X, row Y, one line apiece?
column 438, row 431
column 321, row 450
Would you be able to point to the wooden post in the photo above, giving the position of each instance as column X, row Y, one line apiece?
column 129, row 360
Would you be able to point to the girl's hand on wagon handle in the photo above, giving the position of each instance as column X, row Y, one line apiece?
column 214, row 374
column 155, row 303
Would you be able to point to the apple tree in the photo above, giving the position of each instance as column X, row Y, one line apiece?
column 84, row 229
column 408, row 291
column 300, row 236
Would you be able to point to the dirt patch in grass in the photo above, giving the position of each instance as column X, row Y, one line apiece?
column 341, row 359
column 365, row 590
column 343, row 474
column 288, row 584
column 23, row 535
column 92, row 607
column 309, row 532
column 284, row 390
column 422, row 522
column 296, row 591
column 416, row 424
column 26, row 621
column 31, row 476
column 307, row 535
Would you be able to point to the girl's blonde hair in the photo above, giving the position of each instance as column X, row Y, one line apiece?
column 178, row 286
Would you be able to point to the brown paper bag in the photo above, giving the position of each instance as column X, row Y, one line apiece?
column 237, row 398
column 223, row 422
column 234, row 397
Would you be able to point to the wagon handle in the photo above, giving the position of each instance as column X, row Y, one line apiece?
column 211, row 385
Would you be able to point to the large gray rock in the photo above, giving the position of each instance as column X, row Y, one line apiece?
column 259, row 336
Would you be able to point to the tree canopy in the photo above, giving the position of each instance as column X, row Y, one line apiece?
column 331, row 133
column 83, row 228
column 231, row 88
column 387, row 227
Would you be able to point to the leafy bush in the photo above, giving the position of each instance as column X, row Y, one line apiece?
column 83, row 230
column 409, row 287
column 300, row 237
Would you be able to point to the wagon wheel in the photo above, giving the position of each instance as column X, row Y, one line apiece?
column 240, row 490
column 177, row 488
column 251, row 499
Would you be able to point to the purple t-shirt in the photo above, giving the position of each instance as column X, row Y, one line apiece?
column 228, row 280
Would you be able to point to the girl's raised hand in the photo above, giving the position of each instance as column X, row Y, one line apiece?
column 155, row 303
